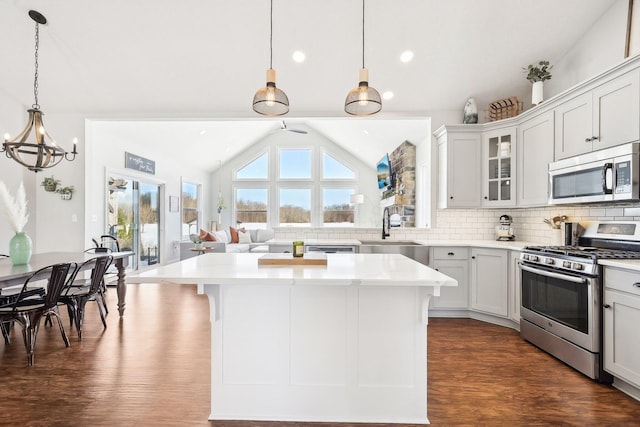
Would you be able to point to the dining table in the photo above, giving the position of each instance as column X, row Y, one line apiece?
column 12, row 275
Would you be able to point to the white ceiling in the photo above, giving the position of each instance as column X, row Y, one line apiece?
column 203, row 60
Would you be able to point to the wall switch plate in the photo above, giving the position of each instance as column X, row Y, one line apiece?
column 74, row 218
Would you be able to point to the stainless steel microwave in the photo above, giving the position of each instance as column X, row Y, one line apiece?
column 601, row 176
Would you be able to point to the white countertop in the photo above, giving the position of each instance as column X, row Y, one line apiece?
column 324, row 242
column 629, row 264
column 341, row 270
column 495, row 244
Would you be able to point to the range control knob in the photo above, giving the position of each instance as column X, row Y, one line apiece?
column 566, row 264
column 533, row 258
column 578, row 266
column 549, row 261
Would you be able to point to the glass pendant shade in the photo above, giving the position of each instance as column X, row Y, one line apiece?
column 34, row 147
column 269, row 100
column 363, row 100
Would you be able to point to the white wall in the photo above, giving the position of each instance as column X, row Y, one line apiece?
column 106, row 153
column 599, row 49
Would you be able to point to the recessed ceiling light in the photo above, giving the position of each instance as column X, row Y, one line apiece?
column 406, row 56
column 298, row 56
column 202, row 132
column 366, row 132
column 387, row 95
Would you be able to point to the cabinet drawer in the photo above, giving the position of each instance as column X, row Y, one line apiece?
column 622, row 280
column 451, row 253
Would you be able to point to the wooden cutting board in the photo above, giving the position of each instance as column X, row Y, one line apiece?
column 310, row 258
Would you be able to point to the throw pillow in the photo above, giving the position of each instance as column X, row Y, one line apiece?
column 234, row 235
column 244, row 236
column 206, row 236
column 221, row 236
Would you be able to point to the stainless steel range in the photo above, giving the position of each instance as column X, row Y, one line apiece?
column 561, row 306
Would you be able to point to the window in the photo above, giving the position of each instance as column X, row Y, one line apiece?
column 257, row 169
column 293, row 186
column 295, row 207
column 190, row 209
column 337, row 209
column 334, row 169
column 252, row 207
column 295, row 163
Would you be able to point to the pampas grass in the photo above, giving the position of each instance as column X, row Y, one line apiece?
column 16, row 209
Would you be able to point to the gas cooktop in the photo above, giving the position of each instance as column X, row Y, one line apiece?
column 589, row 252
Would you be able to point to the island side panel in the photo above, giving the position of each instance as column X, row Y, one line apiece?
column 318, row 353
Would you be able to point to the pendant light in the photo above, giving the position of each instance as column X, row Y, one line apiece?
column 363, row 100
column 269, row 100
column 34, row 148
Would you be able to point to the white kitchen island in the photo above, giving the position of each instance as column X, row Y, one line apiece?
column 345, row 342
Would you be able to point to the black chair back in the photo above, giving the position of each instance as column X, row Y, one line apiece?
column 98, row 269
column 57, row 282
column 56, row 276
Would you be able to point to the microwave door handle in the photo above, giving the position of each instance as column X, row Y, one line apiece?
column 607, row 178
column 553, row 275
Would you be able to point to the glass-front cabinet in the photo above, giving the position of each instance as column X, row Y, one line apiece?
column 499, row 167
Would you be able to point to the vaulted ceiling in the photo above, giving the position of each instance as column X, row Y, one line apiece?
column 205, row 59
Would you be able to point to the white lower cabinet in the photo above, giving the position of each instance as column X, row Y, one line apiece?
column 490, row 281
column 621, row 320
column 454, row 262
column 514, row 287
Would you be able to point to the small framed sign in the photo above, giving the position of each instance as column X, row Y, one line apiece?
column 131, row 161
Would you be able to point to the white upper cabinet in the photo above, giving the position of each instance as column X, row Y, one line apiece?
column 458, row 168
column 498, row 167
column 606, row 116
column 535, row 152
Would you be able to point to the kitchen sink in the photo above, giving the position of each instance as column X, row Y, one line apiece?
column 389, row 243
column 412, row 250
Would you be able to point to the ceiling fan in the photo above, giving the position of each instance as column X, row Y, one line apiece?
column 284, row 127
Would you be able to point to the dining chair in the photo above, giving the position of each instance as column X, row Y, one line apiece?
column 78, row 293
column 28, row 311
column 110, row 271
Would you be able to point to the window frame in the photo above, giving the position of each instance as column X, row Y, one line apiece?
column 315, row 184
column 197, row 209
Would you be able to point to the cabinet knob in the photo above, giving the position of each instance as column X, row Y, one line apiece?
column 636, row 285
column 451, row 197
column 486, row 197
column 452, row 254
column 587, row 140
column 606, row 306
column 473, row 257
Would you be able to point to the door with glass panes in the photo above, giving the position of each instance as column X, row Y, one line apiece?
column 498, row 153
column 133, row 218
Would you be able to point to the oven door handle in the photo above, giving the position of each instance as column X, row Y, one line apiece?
column 554, row 275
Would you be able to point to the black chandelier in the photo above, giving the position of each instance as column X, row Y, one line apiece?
column 34, row 148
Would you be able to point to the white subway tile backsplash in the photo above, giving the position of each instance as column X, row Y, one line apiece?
column 477, row 224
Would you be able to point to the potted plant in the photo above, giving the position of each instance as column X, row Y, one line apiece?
column 197, row 242
column 50, row 183
column 537, row 74
column 65, row 192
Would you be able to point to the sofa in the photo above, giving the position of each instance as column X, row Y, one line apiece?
column 247, row 241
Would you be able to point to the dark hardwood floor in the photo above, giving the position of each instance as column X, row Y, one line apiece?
column 152, row 368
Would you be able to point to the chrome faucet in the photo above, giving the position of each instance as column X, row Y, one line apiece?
column 386, row 217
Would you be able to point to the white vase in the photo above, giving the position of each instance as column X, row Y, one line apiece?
column 537, row 93
column 470, row 112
